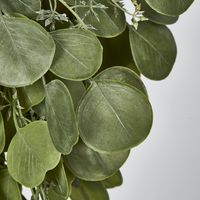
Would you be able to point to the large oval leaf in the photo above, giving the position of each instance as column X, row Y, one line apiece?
column 31, row 154
column 2, row 134
column 122, row 75
column 170, row 7
column 154, row 50
column 78, row 54
column 26, row 7
column 27, row 51
column 90, row 165
column 108, row 22
column 31, row 95
column 89, row 191
column 61, row 117
column 113, row 181
column 155, row 16
column 114, row 116
column 9, row 189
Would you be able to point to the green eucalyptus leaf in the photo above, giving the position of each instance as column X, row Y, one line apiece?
column 155, row 16
column 61, row 117
column 113, row 181
column 122, row 75
column 170, row 7
column 2, row 134
column 117, row 57
column 26, row 7
column 27, row 51
column 31, row 95
column 114, row 116
column 78, row 54
column 58, row 182
column 31, row 154
column 89, row 191
column 154, row 49
column 9, row 189
column 90, row 165
column 107, row 22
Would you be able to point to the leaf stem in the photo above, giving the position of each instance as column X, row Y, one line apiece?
column 83, row 25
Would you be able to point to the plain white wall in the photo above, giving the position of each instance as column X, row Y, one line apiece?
column 167, row 165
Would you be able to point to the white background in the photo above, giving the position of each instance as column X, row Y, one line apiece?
column 167, row 165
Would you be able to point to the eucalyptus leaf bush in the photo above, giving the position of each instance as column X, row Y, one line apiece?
column 72, row 101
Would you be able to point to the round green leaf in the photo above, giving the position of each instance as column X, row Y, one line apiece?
column 26, row 7
column 31, row 154
column 2, row 134
column 89, row 191
column 114, row 116
column 78, row 54
column 31, row 95
column 122, row 75
column 90, row 165
column 170, row 7
column 9, row 189
column 155, row 16
column 113, row 181
column 154, row 49
column 27, row 51
column 108, row 22
column 61, row 117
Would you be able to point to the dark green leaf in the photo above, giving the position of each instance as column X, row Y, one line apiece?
column 61, row 117
column 89, row 191
column 31, row 154
column 154, row 49
column 9, row 189
column 2, row 134
column 170, row 7
column 78, row 54
column 90, row 165
column 27, row 51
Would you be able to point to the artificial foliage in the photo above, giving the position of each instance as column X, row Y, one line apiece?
column 72, row 101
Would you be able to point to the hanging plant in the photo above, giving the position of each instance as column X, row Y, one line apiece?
column 72, row 102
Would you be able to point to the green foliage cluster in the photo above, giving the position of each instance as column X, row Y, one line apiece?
column 72, row 104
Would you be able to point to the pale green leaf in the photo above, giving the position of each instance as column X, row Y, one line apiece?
column 114, row 116
column 27, row 51
column 31, row 154
column 154, row 50
column 90, row 165
column 78, row 54
column 61, row 117
column 2, row 134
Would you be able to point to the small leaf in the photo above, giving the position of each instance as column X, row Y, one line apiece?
column 89, row 165
column 173, row 8
column 114, row 116
column 113, row 181
column 89, row 191
column 122, row 75
column 78, row 54
column 2, row 134
column 9, row 189
column 26, row 7
column 31, row 154
column 61, row 117
column 154, row 50
column 32, row 51
column 31, row 95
